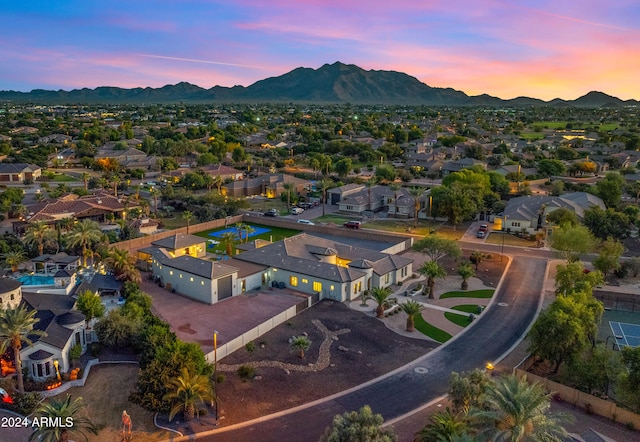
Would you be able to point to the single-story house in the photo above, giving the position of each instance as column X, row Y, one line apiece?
column 19, row 172
column 270, row 185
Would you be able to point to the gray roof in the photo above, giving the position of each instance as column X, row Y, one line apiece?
column 100, row 283
column 529, row 207
column 40, row 355
column 61, row 257
column 196, row 266
column 299, row 254
column 9, row 284
column 178, row 241
column 50, row 308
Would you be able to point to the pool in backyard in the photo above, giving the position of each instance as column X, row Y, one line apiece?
column 36, row 280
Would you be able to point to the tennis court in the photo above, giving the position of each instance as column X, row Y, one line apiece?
column 256, row 231
column 626, row 335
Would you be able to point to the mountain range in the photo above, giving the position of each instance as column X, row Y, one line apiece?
column 331, row 83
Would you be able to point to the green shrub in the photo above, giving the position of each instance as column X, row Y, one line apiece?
column 250, row 346
column 246, row 372
column 24, row 403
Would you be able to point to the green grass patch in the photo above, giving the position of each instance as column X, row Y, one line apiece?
column 608, row 127
column 461, row 320
column 532, row 136
column 61, row 178
column 274, row 234
column 556, row 125
column 330, row 218
column 486, row 293
column 467, row 308
column 424, row 228
column 431, row 331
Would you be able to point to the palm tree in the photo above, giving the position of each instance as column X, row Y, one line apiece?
column 154, row 193
column 85, row 179
column 416, row 193
column 14, row 258
column 248, row 230
column 444, row 426
column 466, row 271
column 288, row 187
column 115, row 180
column 37, row 233
column 476, row 258
column 187, row 215
column 380, row 295
column 62, row 410
column 324, row 185
column 369, row 184
column 16, row 325
column 123, row 265
column 432, row 270
column 84, row 234
column 518, row 411
column 411, row 308
column 299, row 345
column 228, row 241
column 218, row 182
column 395, row 187
column 187, row 391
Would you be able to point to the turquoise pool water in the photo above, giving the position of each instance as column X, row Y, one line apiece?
column 36, row 280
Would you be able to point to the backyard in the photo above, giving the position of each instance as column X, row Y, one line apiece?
column 255, row 231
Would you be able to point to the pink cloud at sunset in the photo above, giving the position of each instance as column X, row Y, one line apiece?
column 542, row 49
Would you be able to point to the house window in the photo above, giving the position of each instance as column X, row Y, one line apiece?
column 39, row 370
column 386, row 278
column 191, row 279
column 171, row 272
column 180, row 275
column 201, row 282
column 349, row 207
column 293, row 281
column 305, row 281
column 515, row 224
column 317, row 286
column 13, row 296
column 78, row 338
column 47, row 368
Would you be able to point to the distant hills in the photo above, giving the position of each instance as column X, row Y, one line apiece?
column 331, row 83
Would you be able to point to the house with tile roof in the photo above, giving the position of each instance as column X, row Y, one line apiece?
column 529, row 213
column 328, row 268
column 271, row 185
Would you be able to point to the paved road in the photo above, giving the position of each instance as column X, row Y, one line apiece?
column 406, row 389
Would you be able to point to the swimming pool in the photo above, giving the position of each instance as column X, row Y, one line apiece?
column 256, row 231
column 36, row 280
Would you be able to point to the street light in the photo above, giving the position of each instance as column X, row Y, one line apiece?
column 504, row 225
column 613, row 347
column 489, row 368
column 55, row 364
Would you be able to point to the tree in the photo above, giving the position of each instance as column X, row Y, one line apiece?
column 476, row 258
column 436, row 247
column 466, row 389
column 380, row 295
column 123, row 265
column 465, row 270
column 369, row 184
column 91, row 306
column 84, row 176
column 608, row 259
column 37, row 233
column 416, row 193
column 299, row 345
column 14, row 258
column 549, row 168
column 457, row 202
column 69, row 420
column 84, row 233
column 572, row 278
column 16, row 326
column 186, row 392
column 629, row 379
column 289, row 188
column 358, row 426
column 343, row 167
column 412, row 309
column 562, row 216
column 444, row 426
column 519, row 411
column 228, row 240
column 606, row 223
column 395, row 188
column 432, row 270
column 323, row 186
column 187, row 215
column 572, row 241
column 610, row 189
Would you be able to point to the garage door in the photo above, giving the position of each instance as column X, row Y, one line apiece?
column 225, row 289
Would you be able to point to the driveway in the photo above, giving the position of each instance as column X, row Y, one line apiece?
column 400, row 392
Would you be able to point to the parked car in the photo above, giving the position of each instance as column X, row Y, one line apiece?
column 483, row 228
column 352, row 224
column 305, row 221
column 480, row 234
column 271, row 212
column 296, row 210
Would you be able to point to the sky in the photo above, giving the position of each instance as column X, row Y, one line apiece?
column 536, row 48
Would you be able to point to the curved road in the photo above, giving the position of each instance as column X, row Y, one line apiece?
column 496, row 331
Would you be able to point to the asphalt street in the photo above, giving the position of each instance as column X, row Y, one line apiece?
column 513, row 309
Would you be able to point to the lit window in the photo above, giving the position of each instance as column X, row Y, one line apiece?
column 386, row 278
column 293, row 281
column 275, row 270
column 331, row 287
column 171, row 272
column 191, row 279
column 201, row 282
column 305, row 281
column 317, row 286
column 180, row 275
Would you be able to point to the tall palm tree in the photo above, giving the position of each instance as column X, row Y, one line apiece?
column 299, row 345
column 62, row 410
column 416, row 193
column 412, row 309
column 115, row 180
column 123, row 265
column 288, row 187
column 228, row 241
column 248, row 230
column 380, row 295
column 85, row 179
column 84, row 234
column 369, row 184
column 187, row 215
column 432, row 270
column 187, row 391
column 218, row 182
column 444, row 426
column 518, row 411
column 466, row 271
column 37, row 233
column 154, row 193
column 324, row 185
column 395, row 188
column 14, row 258
column 16, row 325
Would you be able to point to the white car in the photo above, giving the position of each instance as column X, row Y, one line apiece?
column 305, row 221
column 297, row 210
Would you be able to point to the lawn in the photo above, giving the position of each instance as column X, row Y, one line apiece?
column 509, row 240
column 532, row 136
column 461, row 320
column 487, row 293
column 556, row 125
column 424, row 228
column 467, row 308
column 106, row 395
column 430, row 330
column 61, row 178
